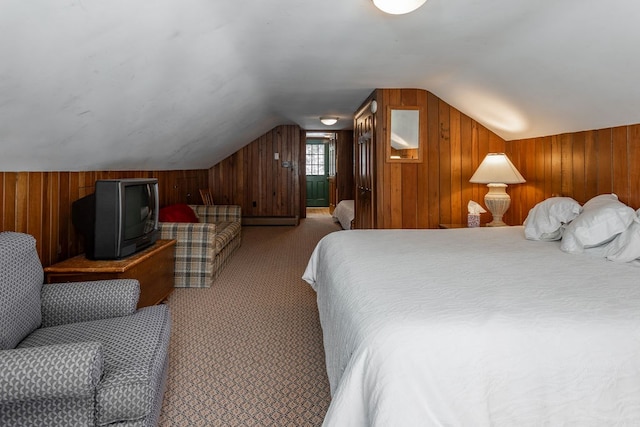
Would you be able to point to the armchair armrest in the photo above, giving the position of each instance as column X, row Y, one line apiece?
column 65, row 371
column 195, row 251
column 73, row 302
column 186, row 231
column 218, row 213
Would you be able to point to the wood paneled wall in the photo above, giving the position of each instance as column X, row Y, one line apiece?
column 436, row 190
column 259, row 183
column 579, row 165
column 409, row 195
column 39, row 203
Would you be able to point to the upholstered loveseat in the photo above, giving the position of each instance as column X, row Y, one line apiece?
column 76, row 354
column 204, row 241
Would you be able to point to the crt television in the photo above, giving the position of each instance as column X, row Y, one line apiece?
column 119, row 219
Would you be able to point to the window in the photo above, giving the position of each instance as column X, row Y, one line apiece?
column 315, row 159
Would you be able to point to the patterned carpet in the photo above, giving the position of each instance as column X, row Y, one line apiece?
column 248, row 351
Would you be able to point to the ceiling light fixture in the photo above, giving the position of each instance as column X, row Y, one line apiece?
column 398, row 7
column 329, row 120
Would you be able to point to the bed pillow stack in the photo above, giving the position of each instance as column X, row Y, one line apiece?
column 626, row 246
column 604, row 223
column 547, row 219
column 602, row 219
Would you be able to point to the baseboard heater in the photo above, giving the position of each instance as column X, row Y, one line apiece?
column 270, row 220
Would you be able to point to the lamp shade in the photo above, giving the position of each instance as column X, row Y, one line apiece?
column 497, row 168
column 398, row 7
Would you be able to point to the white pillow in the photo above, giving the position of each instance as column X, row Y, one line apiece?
column 545, row 220
column 626, row 246
column 602, row 219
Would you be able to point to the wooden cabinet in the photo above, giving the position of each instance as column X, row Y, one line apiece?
column 152, row 267
column 365, row 195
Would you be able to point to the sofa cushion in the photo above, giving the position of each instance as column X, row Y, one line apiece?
column 177, row 213
column 21, row 279
column 225, row 232
column 135, row 350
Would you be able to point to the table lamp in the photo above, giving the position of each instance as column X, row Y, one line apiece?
column 496, row 170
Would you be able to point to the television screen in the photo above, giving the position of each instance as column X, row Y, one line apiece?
column 139, row 214
column 119, row 219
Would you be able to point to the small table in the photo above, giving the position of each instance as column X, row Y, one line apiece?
column 152, row 267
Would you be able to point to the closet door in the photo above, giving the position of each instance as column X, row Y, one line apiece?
column 364, row 173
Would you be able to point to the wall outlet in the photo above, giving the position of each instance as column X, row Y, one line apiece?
column 276, row 156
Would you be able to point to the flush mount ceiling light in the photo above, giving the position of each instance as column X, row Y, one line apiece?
column 398, row 7
column 329, row 120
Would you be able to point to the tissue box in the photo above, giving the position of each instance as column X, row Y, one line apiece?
column 473, row 220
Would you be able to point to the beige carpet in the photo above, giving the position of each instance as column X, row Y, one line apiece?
column 248, row 351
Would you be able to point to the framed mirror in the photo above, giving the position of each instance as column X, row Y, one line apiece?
column 403, row 130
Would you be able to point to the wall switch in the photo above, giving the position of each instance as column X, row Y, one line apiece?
column 276, row 156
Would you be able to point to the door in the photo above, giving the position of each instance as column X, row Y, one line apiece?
column 364, row 156
column 317, row 173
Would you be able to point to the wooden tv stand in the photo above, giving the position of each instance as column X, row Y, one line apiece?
column 152, row 267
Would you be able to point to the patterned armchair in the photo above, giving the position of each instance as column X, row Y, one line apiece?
column 204, row 248
column 76, row 354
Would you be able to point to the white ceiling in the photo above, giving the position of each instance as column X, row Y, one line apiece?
column 182, row 84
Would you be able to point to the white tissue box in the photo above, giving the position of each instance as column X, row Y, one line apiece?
column 473, row 220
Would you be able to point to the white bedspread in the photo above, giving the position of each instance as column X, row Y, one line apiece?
column 475, row 327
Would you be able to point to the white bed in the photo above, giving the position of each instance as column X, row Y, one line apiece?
column 475, row 327
column 344, row 213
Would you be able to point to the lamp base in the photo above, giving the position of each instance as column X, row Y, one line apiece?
column 497, row 201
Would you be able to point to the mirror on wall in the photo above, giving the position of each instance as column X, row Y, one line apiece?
column 403, row 124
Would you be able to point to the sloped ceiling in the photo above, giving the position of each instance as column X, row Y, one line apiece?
column 160, row 84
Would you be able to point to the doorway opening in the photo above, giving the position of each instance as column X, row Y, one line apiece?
column 317, row 171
